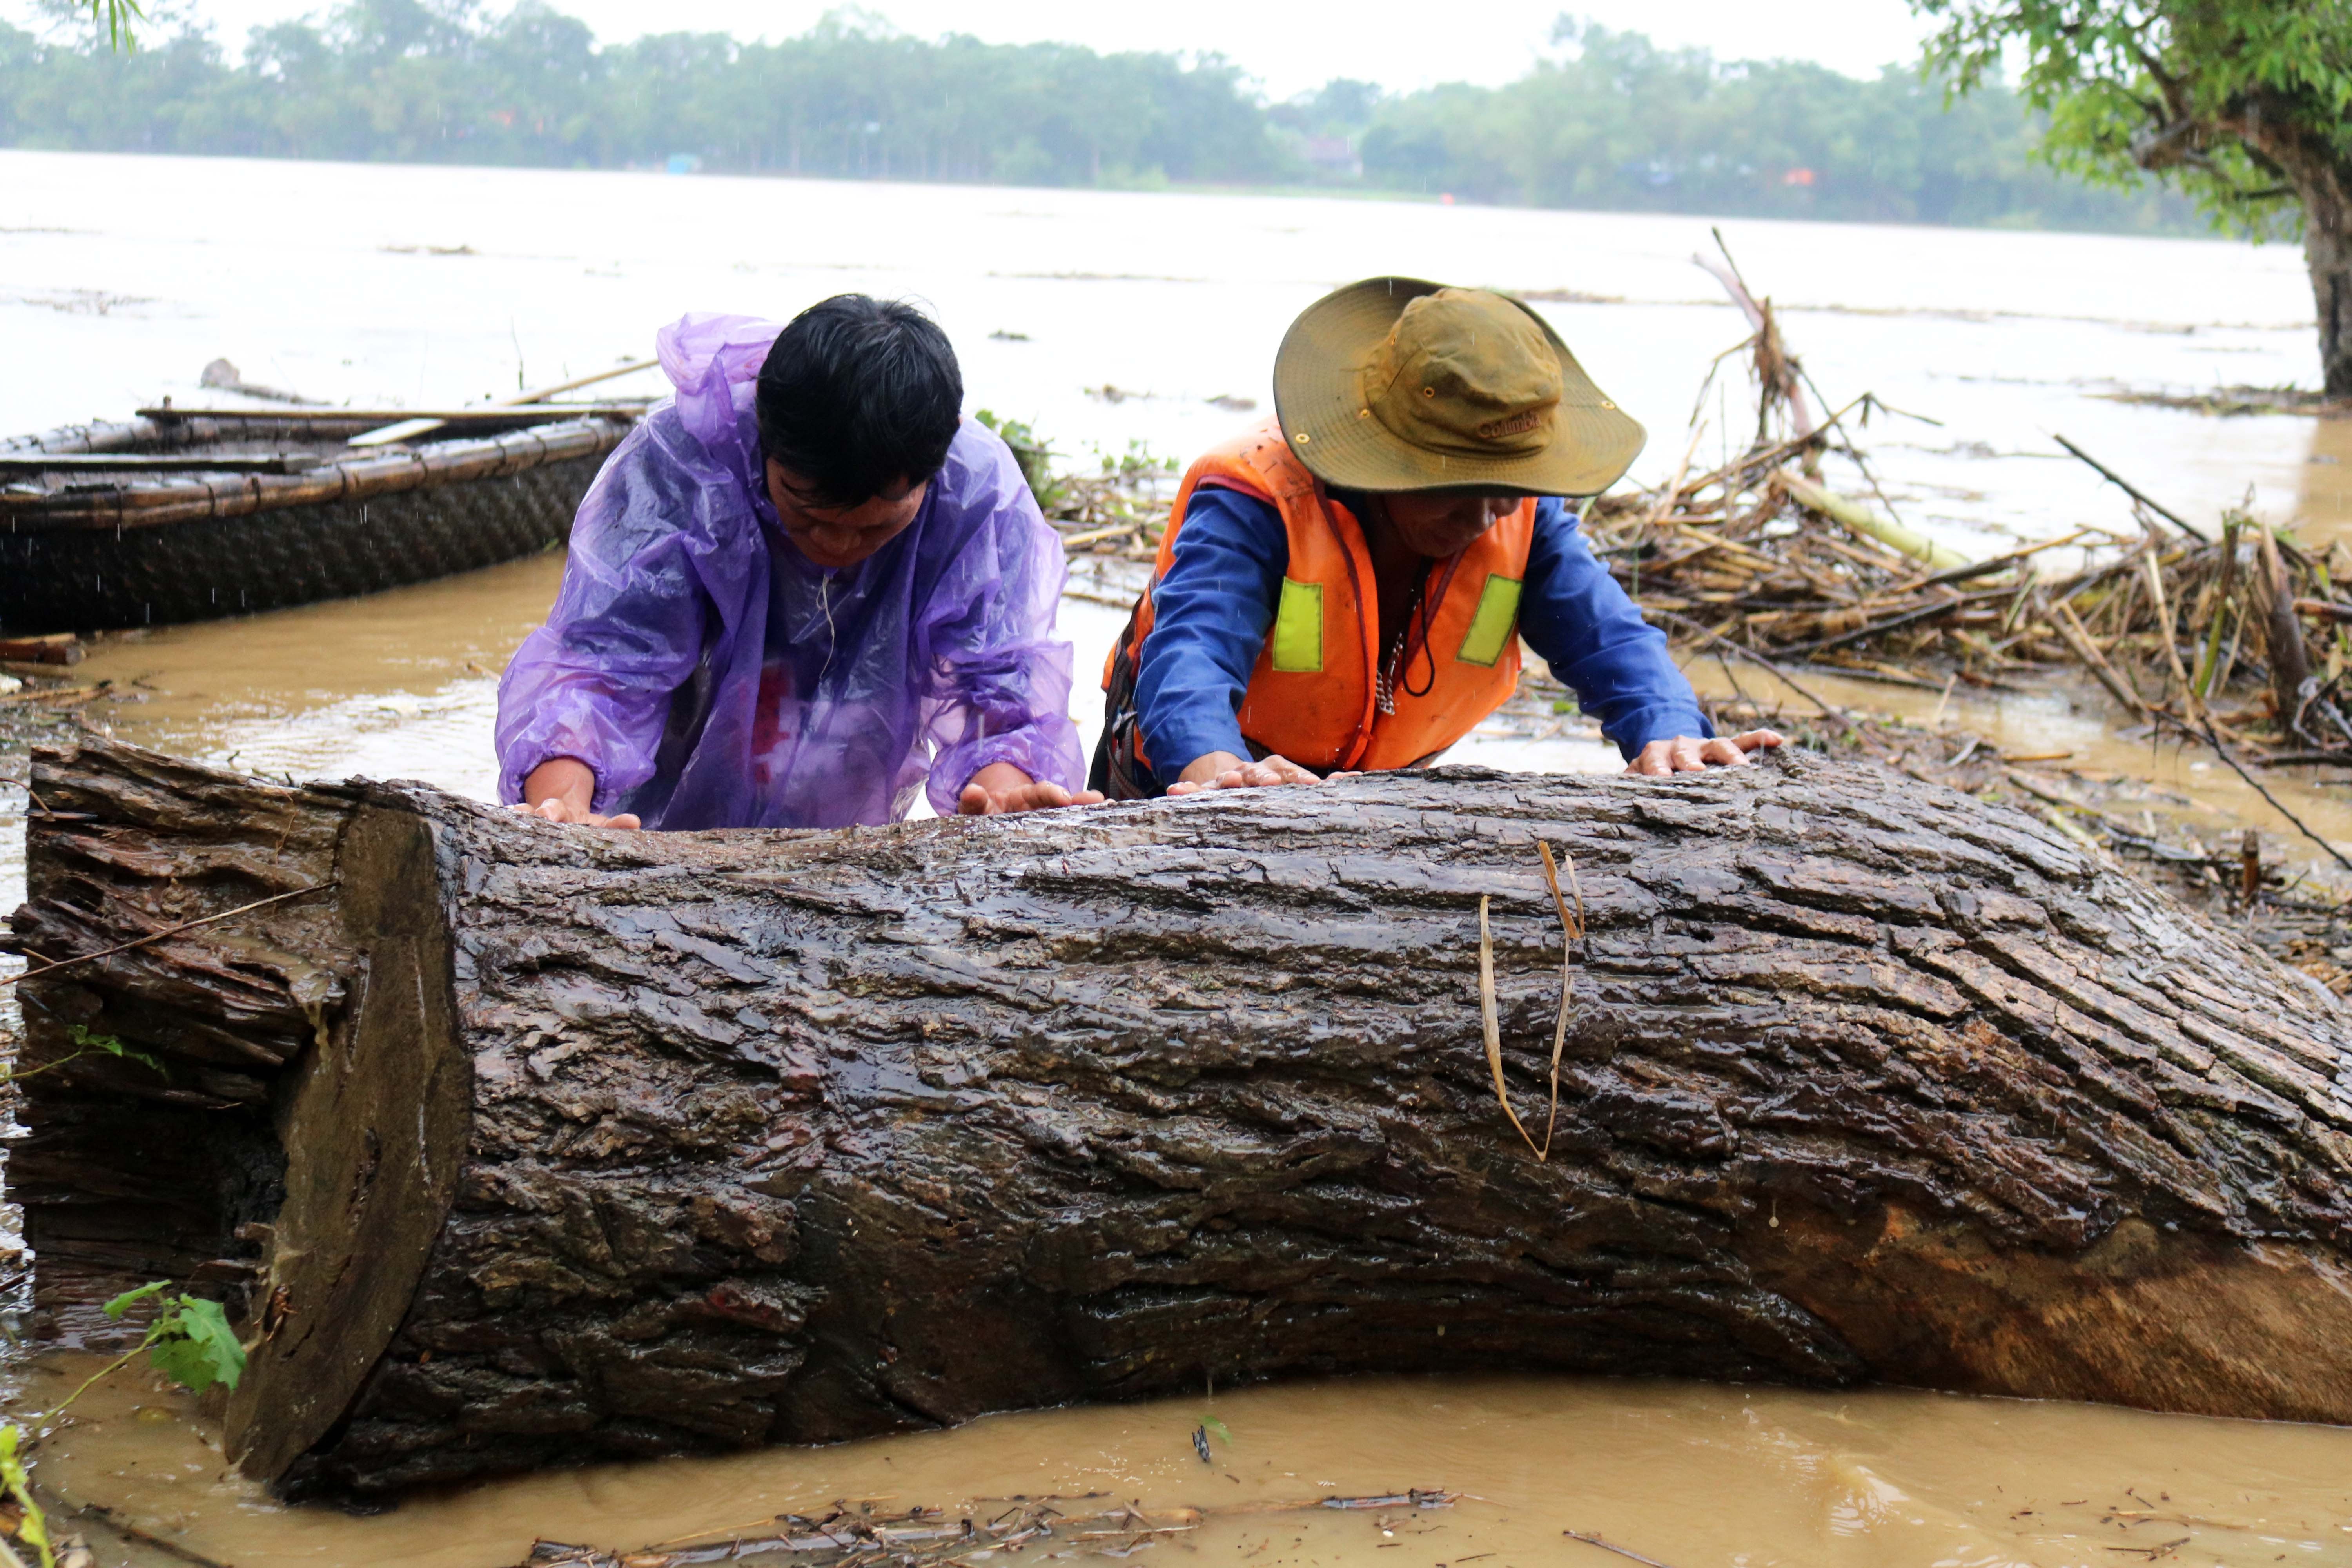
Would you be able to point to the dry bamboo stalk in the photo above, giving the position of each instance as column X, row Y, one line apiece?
column 1571, row 932
column 1737, row 562
column 1668, row 496
column 1094, row 535
column 2071, row 628
column 2283, row 636
column 1492, row 1024
column 2164, row 631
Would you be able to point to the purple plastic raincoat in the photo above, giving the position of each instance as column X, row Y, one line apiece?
column 713, row 677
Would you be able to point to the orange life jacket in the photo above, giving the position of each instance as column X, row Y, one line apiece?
column 1312, row 696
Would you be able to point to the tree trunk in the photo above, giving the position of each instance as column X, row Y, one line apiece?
column 2304, row 154
column 2327, row 252
column 530, row 1145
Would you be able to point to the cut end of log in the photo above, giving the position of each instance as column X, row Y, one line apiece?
column 373, row 1121
column 284, row 1123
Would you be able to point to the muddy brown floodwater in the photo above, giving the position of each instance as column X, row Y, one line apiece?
column 401, row 683
column 1687, row 1475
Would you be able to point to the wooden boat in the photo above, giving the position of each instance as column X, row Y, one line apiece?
column 185, row 515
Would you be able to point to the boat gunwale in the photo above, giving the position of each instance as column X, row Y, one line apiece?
column 357, row 476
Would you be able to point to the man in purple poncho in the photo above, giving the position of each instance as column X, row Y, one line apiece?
column 797, row 591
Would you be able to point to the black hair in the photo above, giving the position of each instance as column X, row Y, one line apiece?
column 857, row 395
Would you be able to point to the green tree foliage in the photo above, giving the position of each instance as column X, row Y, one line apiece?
column 122, row 18
column 2208, row 95
column 2245, row 105
column 438, row 81
column 1616, row 122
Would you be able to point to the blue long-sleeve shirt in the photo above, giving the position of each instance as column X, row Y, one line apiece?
column 1211, row 612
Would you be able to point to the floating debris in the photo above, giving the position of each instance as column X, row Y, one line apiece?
column 928, row 1538
column 2227, row 402
column 2235, row 635
column 1415, row 1498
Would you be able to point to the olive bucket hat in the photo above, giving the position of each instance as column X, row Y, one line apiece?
column 1395, row 384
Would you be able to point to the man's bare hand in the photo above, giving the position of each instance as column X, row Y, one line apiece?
column 1686, row 754
column 1001, row 787
column 559, row 811
column 561, row 790
column 1223, row 770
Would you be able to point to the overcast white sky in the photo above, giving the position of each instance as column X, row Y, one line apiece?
column 1289, row 45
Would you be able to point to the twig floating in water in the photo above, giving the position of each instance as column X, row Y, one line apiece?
column 1610, row 1546
column 123, row 1527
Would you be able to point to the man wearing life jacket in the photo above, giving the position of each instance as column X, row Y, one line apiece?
column 1345, row 587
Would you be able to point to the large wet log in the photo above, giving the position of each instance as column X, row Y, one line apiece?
column 520, row 1146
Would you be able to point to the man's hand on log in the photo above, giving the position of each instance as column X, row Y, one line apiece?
column 1686, row 754
column 564, row 789
column 1223, row 770
column 1001, row 787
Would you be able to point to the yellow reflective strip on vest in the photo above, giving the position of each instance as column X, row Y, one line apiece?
column 1490, row 628
column 1299, row 629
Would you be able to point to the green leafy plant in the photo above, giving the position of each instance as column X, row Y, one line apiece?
column 85, row 1043
column 88, row 1042
column 1137, row 462
column 1029, row 449
column 189, row 1342
column 32, row 1530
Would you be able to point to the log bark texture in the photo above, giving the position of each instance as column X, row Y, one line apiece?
column 520, row 1146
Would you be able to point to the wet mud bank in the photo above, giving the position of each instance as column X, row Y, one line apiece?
column 518, row 1147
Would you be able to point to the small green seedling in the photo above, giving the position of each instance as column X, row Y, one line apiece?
column 192, row 1344
column 85, row 1042
column 34, row 1531
column 88, row 1041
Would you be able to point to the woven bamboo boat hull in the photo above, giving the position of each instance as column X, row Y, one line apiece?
column 85, row 558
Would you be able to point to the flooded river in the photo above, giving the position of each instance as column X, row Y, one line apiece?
column 1105, row 319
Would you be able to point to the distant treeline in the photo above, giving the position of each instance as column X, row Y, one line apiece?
column 1613, row 123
